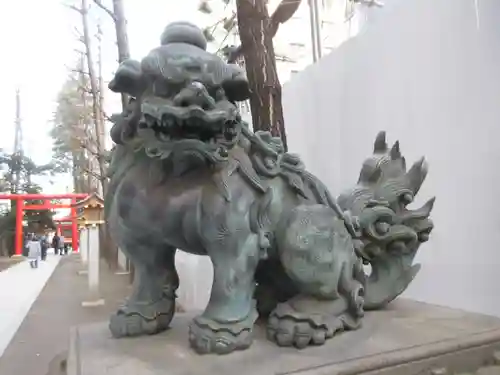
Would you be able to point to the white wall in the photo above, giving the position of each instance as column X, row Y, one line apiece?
column 429, row 74
column 195, row 274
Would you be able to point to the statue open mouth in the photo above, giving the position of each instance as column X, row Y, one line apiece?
column 175, row 124
column 192, row 114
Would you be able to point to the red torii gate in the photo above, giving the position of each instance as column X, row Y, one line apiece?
column 47, row 205
column 62, row 225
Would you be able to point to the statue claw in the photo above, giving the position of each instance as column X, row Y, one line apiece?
column 290, row 327
column 290, row 332
column 137, row 320
column 209, row 337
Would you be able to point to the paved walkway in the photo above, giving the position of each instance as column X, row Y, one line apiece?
column 20, row 286
column 44, row 334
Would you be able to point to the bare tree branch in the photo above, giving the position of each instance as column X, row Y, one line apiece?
column 79, row 71
column 231, row 24
column 107, row 10
column 96, row 154
column 77, row 34
column 72, row 7
column 285, row 10
column 92, row 173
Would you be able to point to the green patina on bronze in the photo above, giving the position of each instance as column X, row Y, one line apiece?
column 188, row 174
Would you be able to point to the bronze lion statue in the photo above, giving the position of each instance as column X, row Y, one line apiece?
column 187, row 174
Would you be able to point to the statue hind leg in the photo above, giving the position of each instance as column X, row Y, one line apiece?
column 151, row 306
column 317, row 253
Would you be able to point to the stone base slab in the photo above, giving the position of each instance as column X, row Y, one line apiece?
column 407, row 338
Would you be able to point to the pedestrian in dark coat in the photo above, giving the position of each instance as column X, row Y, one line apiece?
column 44, row 245
column 56, row 240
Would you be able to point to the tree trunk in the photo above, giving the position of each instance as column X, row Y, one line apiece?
column 79, row 155
column 121, row 38
column 256, row 34
column 123, row 54
column 99, row 124
column 76, row 171
column 94, row 89
column 107, row 242
column 101, row 81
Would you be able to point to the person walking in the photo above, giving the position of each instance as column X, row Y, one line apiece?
column 55, row 243
column 61, row 245
column 66, row 248
column 34, row 250
column 44, row 246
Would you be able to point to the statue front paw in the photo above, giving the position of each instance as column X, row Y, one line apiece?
column 137, row 319
column 290, row 327
column 208, row 336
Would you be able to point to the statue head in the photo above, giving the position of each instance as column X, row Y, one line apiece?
column 380, row 200
column 183, row 98
column 390, row 232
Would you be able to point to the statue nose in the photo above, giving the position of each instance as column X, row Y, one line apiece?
column 194, row 94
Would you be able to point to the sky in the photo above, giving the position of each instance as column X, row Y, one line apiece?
column 40, row 46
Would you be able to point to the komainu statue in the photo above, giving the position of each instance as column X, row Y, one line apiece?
column 188, row 174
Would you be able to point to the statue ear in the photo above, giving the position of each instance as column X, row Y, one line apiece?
column 128, row 78
column 236, row 88
column 236, row 91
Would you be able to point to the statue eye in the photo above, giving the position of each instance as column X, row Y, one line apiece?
column 406, row 198
column 382, row 227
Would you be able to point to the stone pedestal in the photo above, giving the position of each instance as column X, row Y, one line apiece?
column 407, row 338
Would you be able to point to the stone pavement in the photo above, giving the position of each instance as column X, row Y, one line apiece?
column 44, row 333
column 20, row 286
column 6, row 262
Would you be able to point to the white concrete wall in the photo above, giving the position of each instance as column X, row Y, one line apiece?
column 195, row 274
column 427, row 72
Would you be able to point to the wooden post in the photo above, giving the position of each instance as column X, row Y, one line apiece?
column 93, row 263
column 84, row 251
column 93, row 267
column 91, row 217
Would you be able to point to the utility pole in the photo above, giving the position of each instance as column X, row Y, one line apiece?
column 315, row 21
column 18, row 145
